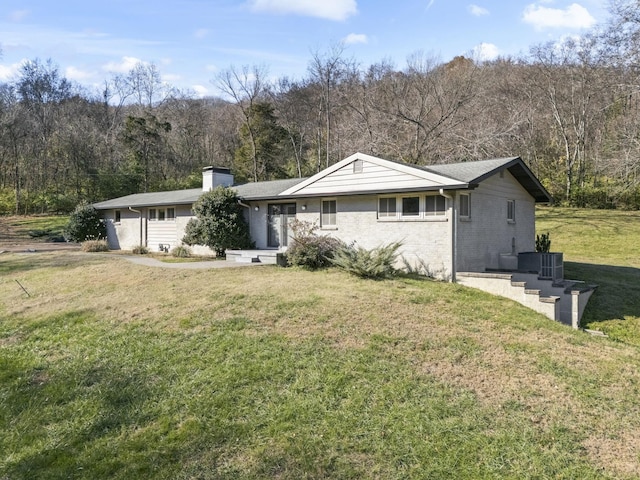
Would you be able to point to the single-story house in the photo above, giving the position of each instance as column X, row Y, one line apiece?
column 450, row 218
column 472, row 222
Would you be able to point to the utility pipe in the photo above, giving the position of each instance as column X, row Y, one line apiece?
column 452, row 230
column 140, row 226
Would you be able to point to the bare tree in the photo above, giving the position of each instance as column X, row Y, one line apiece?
column 245, row 87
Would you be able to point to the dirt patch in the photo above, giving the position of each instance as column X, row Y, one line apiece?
column 15, row 238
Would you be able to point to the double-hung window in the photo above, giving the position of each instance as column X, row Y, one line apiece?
column 162, row 214
column 387, row 207
column 328, row 216
column 435, row 205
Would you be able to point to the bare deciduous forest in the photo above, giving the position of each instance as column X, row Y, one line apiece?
column 571, row 110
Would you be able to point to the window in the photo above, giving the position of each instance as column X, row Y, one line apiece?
column 116, row 216
column 387, row 207
column 357, row 166
column 162, row 214
column 511, row 211
column 435, row 205
column 411, row 206
column 465, row 205
column 328, row 217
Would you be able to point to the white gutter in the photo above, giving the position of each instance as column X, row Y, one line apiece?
column 452, row 232
column 139, row 213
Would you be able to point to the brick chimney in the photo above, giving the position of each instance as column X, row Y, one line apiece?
column 215, row 176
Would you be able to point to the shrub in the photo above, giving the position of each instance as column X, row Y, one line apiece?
column 308, row 249
column 85, row 224
column 376, row 264
column 543, row 243
column 95, row 246
column 140, row 250
column 181, row 251
column 219, row 222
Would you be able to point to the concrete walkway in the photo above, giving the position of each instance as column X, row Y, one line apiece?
column 152, row 262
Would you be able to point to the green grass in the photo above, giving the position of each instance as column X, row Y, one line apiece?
column 601, row 247
column 113, row 370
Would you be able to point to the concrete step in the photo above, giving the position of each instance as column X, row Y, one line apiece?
column 247, row 259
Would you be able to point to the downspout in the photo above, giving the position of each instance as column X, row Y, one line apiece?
column 140, row 226
column 452, row 232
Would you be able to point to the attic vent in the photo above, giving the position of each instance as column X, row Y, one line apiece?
column 357, row 166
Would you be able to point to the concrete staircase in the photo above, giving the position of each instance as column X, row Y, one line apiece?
column 563, row 301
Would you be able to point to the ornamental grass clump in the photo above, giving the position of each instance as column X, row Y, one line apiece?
column 377, row 263
column 181, row 251
column 308, row 249
column 95, row 246
column 140, row 250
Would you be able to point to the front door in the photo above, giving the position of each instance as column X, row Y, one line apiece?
column 280, row 215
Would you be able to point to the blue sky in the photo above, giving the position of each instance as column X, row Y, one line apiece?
column 191, row 40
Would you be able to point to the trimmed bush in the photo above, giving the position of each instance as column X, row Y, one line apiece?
column 308, row 249
column 85, row 224
column 95, row 246
column 181, row 252
column 375, row 264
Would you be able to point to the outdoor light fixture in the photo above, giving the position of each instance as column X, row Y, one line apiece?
column 256, row 208
column 303, row 207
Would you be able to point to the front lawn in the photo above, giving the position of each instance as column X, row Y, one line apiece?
column 113, row 370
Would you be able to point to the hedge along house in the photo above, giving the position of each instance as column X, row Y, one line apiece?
column 455, row 221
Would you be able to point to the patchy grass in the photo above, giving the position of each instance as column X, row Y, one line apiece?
column 274, row 373
column 601, row 247
column 32, row 228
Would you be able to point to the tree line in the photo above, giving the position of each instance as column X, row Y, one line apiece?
column 570, row 109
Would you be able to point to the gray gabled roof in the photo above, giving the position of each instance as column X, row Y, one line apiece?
column 247, row 191
column 476, row 171
column 469, row 173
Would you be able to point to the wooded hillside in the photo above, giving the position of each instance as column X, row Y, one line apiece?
column 570, row 110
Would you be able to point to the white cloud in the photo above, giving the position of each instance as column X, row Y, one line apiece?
column 8, row 72
column 329, row 9
column 74, row 73
column 574, row 16
column 354, row 38
column 201, row 33
column 19, row 15
column 200, row 90
column 477, row 10
column 485, row 51
column 124, row 66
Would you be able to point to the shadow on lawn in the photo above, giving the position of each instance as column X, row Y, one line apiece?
column 618, row 293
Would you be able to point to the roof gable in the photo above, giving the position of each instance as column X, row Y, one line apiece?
column 375, row 175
